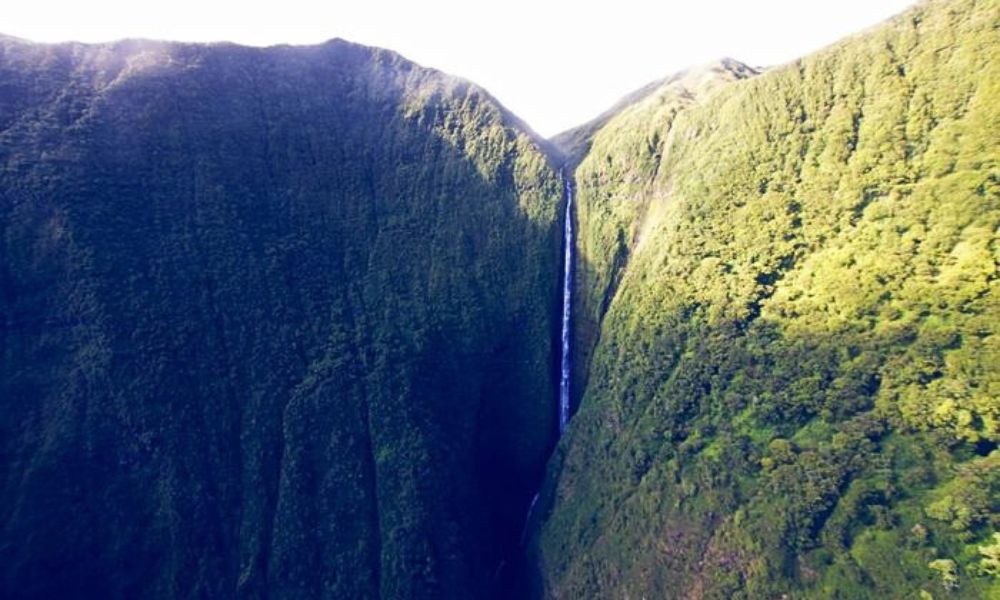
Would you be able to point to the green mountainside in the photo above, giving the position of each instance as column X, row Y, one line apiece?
column 620, row 156
column 791, row 281
column 273, row 323
column 669, row 94
column 285, row 322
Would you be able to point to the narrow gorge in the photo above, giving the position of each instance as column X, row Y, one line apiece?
column 313, row 322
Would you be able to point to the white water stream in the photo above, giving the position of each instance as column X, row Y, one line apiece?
column 567, row 309
column 565, row 364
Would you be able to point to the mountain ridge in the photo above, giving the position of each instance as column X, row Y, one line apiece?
column 575, row 142
column 129, row 48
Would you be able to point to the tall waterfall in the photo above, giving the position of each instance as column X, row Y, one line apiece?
column 567, row 309
column 565, row 372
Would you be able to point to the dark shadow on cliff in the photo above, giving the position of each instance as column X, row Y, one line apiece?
column 269, row 327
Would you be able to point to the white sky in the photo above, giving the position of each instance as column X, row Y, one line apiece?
column 555, row 63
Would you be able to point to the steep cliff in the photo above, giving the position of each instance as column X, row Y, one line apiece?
column 273, row 321
column 795, row 390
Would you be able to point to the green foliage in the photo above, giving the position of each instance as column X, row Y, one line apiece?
column 971, row 498
column 273, row 323
column 947, row 570
column 790, row 285
column 612, row 185
column 989, row 564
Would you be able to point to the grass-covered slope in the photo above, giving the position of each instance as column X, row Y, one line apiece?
column 272, row 322
column 796, row 392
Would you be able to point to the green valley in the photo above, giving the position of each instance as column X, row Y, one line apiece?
column 289, row 322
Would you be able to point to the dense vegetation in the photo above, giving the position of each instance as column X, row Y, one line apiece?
column 796, row 387
column 272, row 322
column 613, row 191
column 280, row 323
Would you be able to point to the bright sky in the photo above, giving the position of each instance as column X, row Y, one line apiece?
column 555, row 63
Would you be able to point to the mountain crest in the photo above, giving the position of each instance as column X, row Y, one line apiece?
column 682, row 88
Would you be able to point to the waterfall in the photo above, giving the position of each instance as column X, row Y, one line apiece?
column 567, row 309
column 565, row 365
column 527, row 519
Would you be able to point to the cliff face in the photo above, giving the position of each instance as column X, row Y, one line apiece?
column 273, row 321
column 281, row 323
column 616, row 158
column 792, row 285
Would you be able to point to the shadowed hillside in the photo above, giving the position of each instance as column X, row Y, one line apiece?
column 273, row 322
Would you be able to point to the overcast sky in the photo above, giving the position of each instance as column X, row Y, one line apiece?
column 556, row 63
